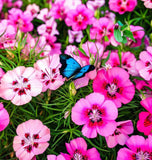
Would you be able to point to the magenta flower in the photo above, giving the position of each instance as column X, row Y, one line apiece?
column 79, row 18
column 96, row 114
column 4, row 117
column 54, row 157
column 21, row 20
column 139, row 149
column 115, row 85
column 1, row 5
column 31, row 139
column 48, row 28
column 103, row 31
column 120, row 135
column 75, row 36
column 77, row 148
column 20, row 84
column 49, row 72
column 144, row 65
column 148, row 3
column 144, row 123
column 138, row 33
column 128, row 61
column 122, row 6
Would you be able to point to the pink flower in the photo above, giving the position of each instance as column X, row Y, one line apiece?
column 75, row 36
column 96, row 114
column 31, row 139
column 138, row 34
column 128, row 61
column 49, row 72
column 77, row 148
column 143, row 86
column 54, row 157
column 20, row 84
column 120, row 135
column 148, row 3
column 18, row 4
column 71, row 4
column 122, row 6
column 145, row 118
column 4, row 117
column 115, row 85
column 8, row 33
column 44, row 14
column 1, row 5
column 21, row 20
column 144, row 65
column 33, row 9
column 48, row 28
column 139, row 148
column 94, row 5
column 103, row 31
column 79, row 18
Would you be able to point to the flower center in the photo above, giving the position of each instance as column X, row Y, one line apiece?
column 78, row 156
column 95, row 115
column 30, row 141
column 112, row 89
column 148, row 120
column 142, row 156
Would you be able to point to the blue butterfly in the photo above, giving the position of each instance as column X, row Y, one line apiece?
column 71, row 69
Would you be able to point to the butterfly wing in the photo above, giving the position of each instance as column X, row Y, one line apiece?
column 83, row 71
column 69, row 66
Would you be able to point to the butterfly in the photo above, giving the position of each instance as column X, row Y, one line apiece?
column 71, row 69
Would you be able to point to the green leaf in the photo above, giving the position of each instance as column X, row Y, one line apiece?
column 106, row 38
column 117, row 35
column 128, row 34
column 124, row 27
column 124, row 39
column 82, row 51
column 107, row 58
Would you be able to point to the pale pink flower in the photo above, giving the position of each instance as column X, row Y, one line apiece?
column 148, row 3
column 47, row 43
column 144, row 65
column 96, row 114
column 33, row 9
column 4, row 117
column 49, row 72
column 44, row 14
column 128, row 61
column 8, row 33
column 71, row 4
column 103, row 31
column 18, row 4
column 138, row 33
column 20, row 84
column 115, row 85
column 94, row 5
column 122, row 6
column 48, row 28
column 77, row 148
column 110, row 15
column 120, row 135
column 144, row 123
column 75, row 36
column 1, row 73
column 79, row 18
column 31, row 139
column 139, row 149
column 21, row 20
column 54, row 157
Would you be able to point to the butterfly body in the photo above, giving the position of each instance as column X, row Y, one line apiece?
column 71, row 69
